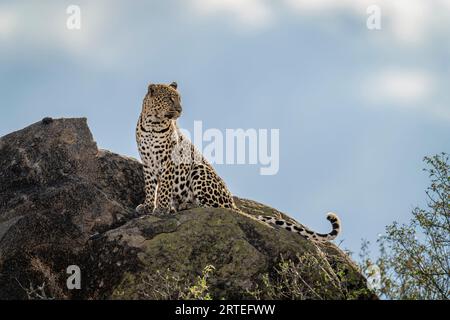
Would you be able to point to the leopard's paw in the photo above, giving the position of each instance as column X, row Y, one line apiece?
column 160, row 211
column 186, row 206
column 144, row 209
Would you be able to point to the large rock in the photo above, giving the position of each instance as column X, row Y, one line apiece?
column 65, row 202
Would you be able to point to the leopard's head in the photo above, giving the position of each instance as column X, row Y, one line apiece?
column 162, row 102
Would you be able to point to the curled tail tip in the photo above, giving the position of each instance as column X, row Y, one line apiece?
column 336, row 224
column 332, row 217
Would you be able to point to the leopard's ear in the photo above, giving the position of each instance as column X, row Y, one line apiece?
column 151, row 89
column 174, row 85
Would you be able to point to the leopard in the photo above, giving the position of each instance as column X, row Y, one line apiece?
column 178, row 177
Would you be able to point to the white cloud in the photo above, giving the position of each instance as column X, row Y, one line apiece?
column 306, row 6
column 409, row 21
column 408, row 89
column 8, row 23
column 250, row 13
column 402, row 87
column 21, row 21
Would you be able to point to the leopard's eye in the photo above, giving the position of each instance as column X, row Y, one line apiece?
column 172, row 99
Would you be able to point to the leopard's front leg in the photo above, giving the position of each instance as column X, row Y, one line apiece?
column 151, row 182
column 164, row 196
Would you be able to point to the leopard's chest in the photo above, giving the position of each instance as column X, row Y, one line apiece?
column 155, row 151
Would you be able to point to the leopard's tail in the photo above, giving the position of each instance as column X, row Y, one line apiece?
column 305, row 232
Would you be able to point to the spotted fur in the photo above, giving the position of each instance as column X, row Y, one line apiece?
column 177, row 176
column 304, row 231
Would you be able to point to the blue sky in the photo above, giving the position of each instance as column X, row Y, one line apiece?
column 357, row 109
